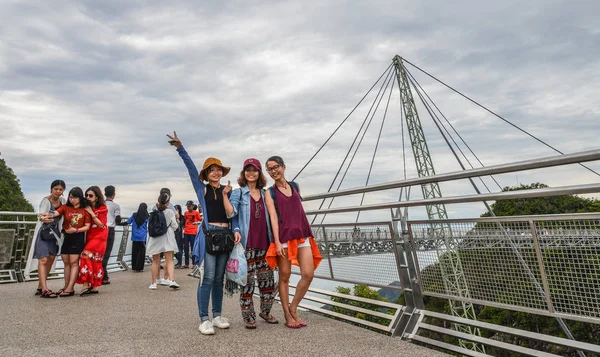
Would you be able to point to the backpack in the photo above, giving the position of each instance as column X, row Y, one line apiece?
column 294, row 187
column 157, row 224
column 50, row 231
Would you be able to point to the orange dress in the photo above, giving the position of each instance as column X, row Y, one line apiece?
column 90, row 265
column 292, row 253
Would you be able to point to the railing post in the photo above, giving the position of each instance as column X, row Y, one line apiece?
column 123, row 248
column 327, row 252
column 538, row 253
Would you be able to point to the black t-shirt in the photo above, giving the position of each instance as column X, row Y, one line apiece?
column 214, row 205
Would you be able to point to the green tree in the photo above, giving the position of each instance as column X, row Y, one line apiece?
column 367, row 293
column 11, row 196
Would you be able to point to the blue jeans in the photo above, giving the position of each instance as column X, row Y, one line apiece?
column 188, row 245
column 212, row 283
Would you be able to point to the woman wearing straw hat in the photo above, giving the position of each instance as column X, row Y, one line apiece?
column 211, row 198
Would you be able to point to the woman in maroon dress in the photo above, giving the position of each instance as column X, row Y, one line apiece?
column 293, row 240
column 90, row 263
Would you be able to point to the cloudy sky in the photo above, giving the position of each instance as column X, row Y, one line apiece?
column 89, row 89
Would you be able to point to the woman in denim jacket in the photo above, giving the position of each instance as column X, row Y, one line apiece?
column 252, row 225
column 211, row 198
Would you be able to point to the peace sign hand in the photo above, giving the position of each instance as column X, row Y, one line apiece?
column 174, row 140
column 227, row 188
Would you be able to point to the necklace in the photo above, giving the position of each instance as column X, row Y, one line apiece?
column 215, row 190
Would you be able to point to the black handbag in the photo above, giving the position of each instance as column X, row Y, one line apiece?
column 219, row 241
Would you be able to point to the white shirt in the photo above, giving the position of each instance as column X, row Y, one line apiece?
column 114, row 210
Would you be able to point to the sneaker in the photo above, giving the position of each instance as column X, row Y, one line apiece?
column 220, row 322
column 159, row 281
column 165, row 282
column 206, row 328
column 174, row 285
column 152, row 286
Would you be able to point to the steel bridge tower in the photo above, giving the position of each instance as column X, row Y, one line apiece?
column 453, row 275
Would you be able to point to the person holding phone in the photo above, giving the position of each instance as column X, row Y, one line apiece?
column 76, row 222
column 46, row 250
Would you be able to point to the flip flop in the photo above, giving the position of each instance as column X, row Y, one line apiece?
column 270, row 320
column 67, row 294
column 291, row 326
column 250, row 326
column 87, row 291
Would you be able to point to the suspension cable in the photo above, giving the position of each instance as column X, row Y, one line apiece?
column 455, row 131
column 493, row 113
column 342, row 123
column 353, row 142
column 420, row 90
column 376, row 145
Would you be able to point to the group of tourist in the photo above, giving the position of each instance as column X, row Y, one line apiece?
column 270, row 224
column 84, row 222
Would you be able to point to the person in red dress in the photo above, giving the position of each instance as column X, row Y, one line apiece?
column 90, row 263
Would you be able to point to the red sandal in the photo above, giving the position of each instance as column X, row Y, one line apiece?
column 48, row 294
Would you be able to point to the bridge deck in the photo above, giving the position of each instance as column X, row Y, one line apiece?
column 128, row 319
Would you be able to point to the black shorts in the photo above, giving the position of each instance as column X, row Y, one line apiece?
column 73, row 243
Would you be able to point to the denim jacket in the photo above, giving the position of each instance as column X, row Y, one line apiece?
column 240, row 218
column 199, row 186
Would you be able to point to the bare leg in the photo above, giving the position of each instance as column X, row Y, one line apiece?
column 307, row 272
column 155, row 267
column 169, row 267
column 285, row 270
column 74, row 271
column 67, row 270
column 43, row 273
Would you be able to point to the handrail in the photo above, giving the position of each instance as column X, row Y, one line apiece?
column 535, row 218
column 549, row 161
column 496, row 196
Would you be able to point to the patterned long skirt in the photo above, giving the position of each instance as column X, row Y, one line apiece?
column 258, row 268
column 90, row 269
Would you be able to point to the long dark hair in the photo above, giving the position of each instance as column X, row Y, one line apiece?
column 178, row 208
column 99, row 197
column 58, row 183
column 77, row 193
column 141, row 215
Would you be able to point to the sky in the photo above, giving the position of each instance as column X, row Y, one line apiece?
column 89, row 89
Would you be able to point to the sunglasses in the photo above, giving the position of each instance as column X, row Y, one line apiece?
column 257, row 211
column 89, row 196
column 273, row 168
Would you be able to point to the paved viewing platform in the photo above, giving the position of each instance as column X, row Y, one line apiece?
column 128, row 319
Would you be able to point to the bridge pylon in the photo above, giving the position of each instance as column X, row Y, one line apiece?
column 453, row 276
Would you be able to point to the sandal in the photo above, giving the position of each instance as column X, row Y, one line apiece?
column 300, row 322
column 87, row 291
column 48, row 294
column 66, row 294
column 270, row 319
column 251, row 325
column 38, row 292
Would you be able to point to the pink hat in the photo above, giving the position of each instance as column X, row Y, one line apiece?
column 253, row 162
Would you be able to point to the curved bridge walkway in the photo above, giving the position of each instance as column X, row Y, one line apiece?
column 128, row 319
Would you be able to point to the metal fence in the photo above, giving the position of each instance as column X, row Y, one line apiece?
column 547, row 265
column 16, row 237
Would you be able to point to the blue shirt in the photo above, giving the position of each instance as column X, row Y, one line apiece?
column 138, row 234
column 241, row 212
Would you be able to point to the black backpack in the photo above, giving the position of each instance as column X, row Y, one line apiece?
column 50, row 231
column 272, row 189
column 157, row 224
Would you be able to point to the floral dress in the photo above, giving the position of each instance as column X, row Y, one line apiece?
column 90, row 265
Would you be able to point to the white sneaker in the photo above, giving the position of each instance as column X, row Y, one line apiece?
column 220, row 322
column 159, row 281
column 174, row 285
column 165, row 282
column 152, row 286
column 206, row 328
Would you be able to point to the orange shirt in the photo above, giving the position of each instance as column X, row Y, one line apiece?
column 190, row 218
column 74, row 217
